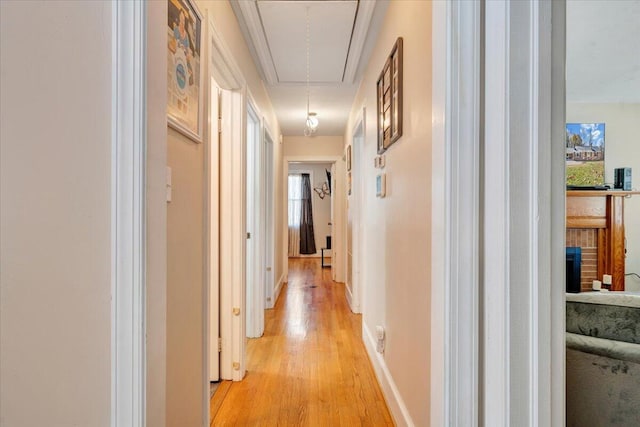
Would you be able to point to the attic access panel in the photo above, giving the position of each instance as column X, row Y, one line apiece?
column 330, row 27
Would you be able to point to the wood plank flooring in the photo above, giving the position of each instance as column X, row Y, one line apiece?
column 310, row 368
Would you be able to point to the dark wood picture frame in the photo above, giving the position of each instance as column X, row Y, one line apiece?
column 389, row 99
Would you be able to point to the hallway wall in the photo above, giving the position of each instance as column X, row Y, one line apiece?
column 55, row 213
column 396, row 256
column 185, row 233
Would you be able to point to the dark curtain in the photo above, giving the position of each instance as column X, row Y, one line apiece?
column 307, row 238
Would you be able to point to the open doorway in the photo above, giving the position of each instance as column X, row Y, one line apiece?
column 255, row 200
column 333, row 226
column 355, row 195
column 603, row 215
column 309, row 211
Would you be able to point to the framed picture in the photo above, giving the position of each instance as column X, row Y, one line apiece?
column 584, row 154
column 184, row 67
column 389, row 99
column 348, row 157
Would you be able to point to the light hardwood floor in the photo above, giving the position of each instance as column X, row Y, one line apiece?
column 310, row 368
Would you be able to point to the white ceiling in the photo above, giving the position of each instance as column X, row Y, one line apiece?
column 603, row 51
column 341, row 36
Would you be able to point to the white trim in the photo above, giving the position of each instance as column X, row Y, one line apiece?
column 128, row 221
column 522, row 206
column 358, row 136
column 270, row 175
column 254, row 219
column 358, row 39
column 496, row 279
column 554, row 396
column 392, row 395
column 456, row 212
column 232, row 206
column 278, row 288
column 223, row 67
column 251, row 26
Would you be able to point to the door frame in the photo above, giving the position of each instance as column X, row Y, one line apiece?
column 498, row 327
column 358, row 136
column 338, row 196
column 269, row 220
column 232, row 298
column 254, row 223
column 128, row 214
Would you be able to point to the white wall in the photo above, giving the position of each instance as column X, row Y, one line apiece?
column 622, row 149
column 321, row 208
column 55, row 208
column 316, row 146
column 396, row 258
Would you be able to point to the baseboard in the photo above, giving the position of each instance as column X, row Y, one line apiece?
column 276, row 291
column 354, row 307
column 398, row 409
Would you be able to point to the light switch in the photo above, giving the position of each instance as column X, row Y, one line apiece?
column 168, row 184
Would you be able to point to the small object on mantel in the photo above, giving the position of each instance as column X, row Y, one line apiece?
column 597, row 285
column 606, row 281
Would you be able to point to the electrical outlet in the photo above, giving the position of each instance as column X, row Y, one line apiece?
column 380, row 339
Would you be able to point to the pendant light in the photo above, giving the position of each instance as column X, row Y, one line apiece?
column 311, row 123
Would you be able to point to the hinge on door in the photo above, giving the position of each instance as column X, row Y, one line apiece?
column 219, row 345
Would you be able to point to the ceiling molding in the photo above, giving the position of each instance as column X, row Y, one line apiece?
column 358, row 39
column 251, row 24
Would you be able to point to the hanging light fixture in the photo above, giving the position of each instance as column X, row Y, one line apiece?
column 311, row 124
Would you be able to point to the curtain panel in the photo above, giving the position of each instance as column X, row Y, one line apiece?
column 307, row 238
column 295, row 210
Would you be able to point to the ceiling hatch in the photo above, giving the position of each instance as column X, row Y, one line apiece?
column 277, row 30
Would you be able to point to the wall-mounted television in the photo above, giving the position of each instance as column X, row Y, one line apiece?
column 585, row 154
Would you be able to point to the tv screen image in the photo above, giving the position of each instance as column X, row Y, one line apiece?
column 585, row 154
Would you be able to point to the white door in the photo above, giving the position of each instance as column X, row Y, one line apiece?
column 334, row 191
column 269, row 224
column 213, row 231
column 254, row 266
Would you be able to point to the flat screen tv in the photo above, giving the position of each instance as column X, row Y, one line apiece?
column 585, row 154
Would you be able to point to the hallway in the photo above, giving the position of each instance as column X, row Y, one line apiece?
column 310, row 367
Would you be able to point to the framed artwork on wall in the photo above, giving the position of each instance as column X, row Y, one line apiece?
column 389, row 99
column 184, row 68
column 584, row 154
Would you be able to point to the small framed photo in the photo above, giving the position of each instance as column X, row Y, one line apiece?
column 348, row 157
column 184, row 68
column 381, row 185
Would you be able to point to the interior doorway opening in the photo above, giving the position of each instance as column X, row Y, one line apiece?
column 310, row 210
column 255, row 262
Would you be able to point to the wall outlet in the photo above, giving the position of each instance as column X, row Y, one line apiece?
column 380, row 339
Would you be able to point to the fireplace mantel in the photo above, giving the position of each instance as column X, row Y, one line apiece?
column 604, row 212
